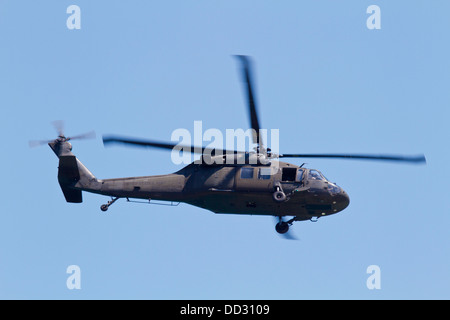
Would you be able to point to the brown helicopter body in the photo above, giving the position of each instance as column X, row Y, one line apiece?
column 239, row 189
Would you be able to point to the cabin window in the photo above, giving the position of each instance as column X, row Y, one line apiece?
column 246, row 173
column 264, row 173
column 289, row 174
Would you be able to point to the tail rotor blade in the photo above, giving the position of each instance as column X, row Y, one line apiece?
column 87, row 135
column 37, row 143
column 59, row 127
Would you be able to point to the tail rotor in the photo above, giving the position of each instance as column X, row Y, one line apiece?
column 59, row 127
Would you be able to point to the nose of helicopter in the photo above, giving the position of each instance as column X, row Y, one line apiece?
column 342, row 200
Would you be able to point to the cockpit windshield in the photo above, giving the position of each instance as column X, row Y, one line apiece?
column 316, row 175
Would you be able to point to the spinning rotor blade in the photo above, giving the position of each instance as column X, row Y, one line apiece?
column 87, row 135
column 411, row 159
column 137, row 142
column 59, row 127
column 247, row 77
column 289, row 236
column 37, row 143
column 165, row 145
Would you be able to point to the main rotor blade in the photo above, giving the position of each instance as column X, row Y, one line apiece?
column 166, row 145
column 400, row 158
column 247, row 77
column 289, row 236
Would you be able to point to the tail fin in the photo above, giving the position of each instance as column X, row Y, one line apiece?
column 68, row 177
column 73, row 176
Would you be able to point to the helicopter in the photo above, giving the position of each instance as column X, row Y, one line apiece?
column 252, row 182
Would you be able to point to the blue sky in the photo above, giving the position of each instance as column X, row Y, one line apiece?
column 146, row 68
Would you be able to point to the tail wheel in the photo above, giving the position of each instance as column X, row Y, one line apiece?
column 104, row 207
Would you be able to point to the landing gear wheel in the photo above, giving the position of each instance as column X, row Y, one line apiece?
column 282, row 227
column 104, row 207
column 279, row 196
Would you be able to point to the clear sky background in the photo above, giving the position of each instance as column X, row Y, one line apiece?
column 146, row 68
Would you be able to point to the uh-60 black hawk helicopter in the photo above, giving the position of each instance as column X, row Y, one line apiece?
column 252, row 183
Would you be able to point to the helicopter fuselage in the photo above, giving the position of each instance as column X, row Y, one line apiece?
column 237, row 189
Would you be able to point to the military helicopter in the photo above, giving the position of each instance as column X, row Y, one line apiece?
column 223, row 181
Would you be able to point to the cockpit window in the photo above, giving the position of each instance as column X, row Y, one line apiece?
column 315, row 175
